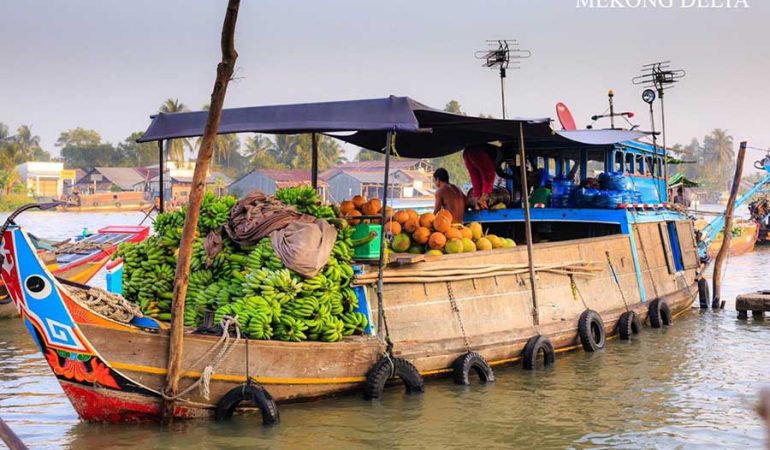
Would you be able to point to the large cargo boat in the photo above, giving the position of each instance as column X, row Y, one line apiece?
column 641, row 263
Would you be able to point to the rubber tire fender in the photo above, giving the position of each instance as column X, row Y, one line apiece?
column 660, row 313
column 589, row 322
column 386, row 368
column 628, row 324
column 703, row 292
column 462, row 366
column 533, row 347
column 252, row 393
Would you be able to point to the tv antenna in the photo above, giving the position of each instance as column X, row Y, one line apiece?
column 503, row 54
column 661, row 77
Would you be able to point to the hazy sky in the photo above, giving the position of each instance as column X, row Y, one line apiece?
column 108, row 65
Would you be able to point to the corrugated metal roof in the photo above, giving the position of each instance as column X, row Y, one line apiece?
column 369, row 177
column 123, row 177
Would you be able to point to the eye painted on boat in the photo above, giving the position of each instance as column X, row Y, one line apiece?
column 37, row 287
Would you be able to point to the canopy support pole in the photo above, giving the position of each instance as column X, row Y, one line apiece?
column 383, row 218
column 176, row 343
column 314, row 162
column 528, row 226
column 160, row 176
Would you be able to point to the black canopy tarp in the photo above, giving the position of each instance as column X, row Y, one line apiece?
column 421, row 131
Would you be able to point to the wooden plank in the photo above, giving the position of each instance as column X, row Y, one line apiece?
column 687, row 243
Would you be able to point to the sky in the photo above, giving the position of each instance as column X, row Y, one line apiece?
column 108, row 65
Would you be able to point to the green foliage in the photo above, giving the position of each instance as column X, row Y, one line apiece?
column 292, row 152
column 454, row 164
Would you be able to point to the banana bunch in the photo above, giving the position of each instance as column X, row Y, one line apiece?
column 306, row 200
column 214, row 212
column 290, row 329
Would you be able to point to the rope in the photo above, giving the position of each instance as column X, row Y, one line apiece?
column 456, row 310
column 82, row 247
column 225, row 346
column 107, row 304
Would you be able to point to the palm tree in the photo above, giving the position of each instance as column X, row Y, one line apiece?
column 176, row 147
column 261, row 152
column 720, row 154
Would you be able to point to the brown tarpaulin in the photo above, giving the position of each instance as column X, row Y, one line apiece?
column 305, row 247
column 257, row 215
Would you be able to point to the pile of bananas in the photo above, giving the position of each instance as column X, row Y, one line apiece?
column 251, row 283
column 306, row 200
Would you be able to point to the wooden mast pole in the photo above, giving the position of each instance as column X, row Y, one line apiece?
column 314, row 161
column 727, row 232
column 224, row 74
column 528, row 224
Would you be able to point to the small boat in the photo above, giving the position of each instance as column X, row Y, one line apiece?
column 597, row 271
column 745, row 234
column 77, row 260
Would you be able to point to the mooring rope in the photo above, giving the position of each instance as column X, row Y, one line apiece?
column 107, row 304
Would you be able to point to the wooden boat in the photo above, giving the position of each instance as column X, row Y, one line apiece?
column 79, row 261
column 739, row 245
column 640, row 257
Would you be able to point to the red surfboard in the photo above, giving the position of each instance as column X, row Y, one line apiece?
column 565, row 117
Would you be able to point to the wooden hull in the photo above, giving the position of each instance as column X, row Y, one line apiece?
column 125, row 364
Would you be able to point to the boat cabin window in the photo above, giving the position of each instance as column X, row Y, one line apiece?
column 649, row 166
column 629, row 163
column 552, row 231
column 640, row 164
column 595, row 163
column 619, row 158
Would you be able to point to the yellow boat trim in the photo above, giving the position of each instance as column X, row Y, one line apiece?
column 238, row 378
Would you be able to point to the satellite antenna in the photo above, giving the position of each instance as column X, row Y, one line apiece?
column 661, row 77
column 504, row 54
column 565, row 117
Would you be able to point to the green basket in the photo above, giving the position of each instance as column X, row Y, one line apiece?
column 372, row 249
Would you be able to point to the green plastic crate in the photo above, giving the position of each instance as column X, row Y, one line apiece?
column 372, row 249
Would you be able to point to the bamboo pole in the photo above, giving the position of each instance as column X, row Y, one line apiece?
column 224, row 73
column 727, row 232
column 528, row 225
column 9, row 437
column 314, row 161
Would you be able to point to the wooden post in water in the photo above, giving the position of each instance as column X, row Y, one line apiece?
column 727, row 232
column 9, row 437
column 528, row 225
column 224, row 74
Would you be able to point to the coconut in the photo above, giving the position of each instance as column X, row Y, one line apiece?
column 401, row 216
column 371, row 207
column 483, row 244
column 454, row 246
column 453, row 233
column 359, row 201
column 511, row 242
column 413, row 215
column 443, row 221
column 411, row 225
column 495, row 241
column 476, row 231
column 346, row 207
column 416, row 249
column 426, row 220
column 466, row 232
column 437, row 241
column 468, row 245
column 393, row 227
column 401, row 243
column 434, row 253
column 421, row 235
column 351, row 217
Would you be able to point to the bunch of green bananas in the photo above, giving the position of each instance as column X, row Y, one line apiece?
column 306, row 200
column 214, row 212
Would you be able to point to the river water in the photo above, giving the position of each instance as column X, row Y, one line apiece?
column 692, row 385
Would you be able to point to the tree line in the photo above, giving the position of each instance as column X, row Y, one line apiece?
column 710, row 162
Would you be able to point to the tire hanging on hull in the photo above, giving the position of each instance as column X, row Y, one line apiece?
column 388, row 367
column 471, row 361
column 252, row 393
column 532, row 349
column 591, row 331
column 660, row 313
column 629, row 324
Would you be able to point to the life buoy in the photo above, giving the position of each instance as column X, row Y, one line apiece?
column 628, row 324
column 387, row 368
column 462, row 366
column 252, row 393
column 532, row 349
column 703, row 293
column 660, row 313
column 591, row 331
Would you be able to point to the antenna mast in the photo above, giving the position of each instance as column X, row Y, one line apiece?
column 499, row 54
column 660, row 76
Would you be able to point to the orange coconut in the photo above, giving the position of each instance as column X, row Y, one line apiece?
column 426, row 220
column 421, row 235
column 401, row 216
column 346, row 207
column 437, row 241
column 443, row 221
column 411, row 225
column 393, row 227
column 453, row 233
column 359, row 201
column 351, row 217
